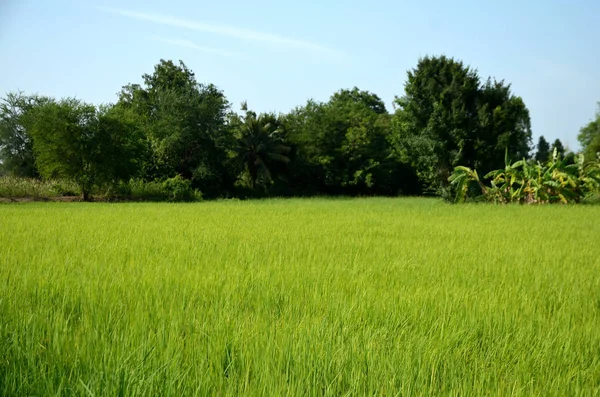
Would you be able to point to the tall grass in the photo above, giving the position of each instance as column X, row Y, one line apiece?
column 173, row 189
column 15, row 187
column 299, row 297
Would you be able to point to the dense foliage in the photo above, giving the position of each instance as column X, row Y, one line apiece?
column 589, row 137
column 448, row 118
column 259, row 147
column 555, row 181
column 16, row 145
column 171, row 126
column 543, row 150
column 93, row 146
column 184, row 125
column 343, row 146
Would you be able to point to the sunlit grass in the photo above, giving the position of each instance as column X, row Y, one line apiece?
column 300, row 297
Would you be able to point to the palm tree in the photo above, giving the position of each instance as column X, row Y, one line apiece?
column 259, row 144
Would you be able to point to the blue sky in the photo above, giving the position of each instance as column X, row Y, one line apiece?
column 278, row 54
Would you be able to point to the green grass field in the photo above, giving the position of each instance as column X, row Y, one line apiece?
column 299, row 297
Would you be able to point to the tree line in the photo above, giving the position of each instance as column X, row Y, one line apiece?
column 175, row 130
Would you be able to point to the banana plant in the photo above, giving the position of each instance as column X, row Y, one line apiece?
column 461, row 179
column 526, row 182
column 563, row 183
column 504, row 181
column 529, row 183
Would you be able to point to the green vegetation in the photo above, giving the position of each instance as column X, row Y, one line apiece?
column 174, row 189
column 299, row 297
column 93, row 147
column 11, row 187
column 589, row 137
column 259, row 144
column 555, row 181
column 172, row 126
column 543, row 150
column 448, row 118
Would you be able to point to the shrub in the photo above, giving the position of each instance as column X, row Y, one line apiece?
column 172, row 189
column 179, row 189
column 64, row 188
column 139, row 190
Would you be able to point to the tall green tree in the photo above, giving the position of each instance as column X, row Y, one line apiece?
column 16, row 145
column 543, row 150
column 342, row 146
column 361, row 123
column 589, row 138
column 185, row 125
column 260, row 145
column 504, row 125
column 436, row 118
column 92, row 146
column 448, row 118
column 304, row 128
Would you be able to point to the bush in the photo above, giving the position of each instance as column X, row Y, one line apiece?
column 64, row 188
column 173, row 189
column 179, row 189
column 140, row 190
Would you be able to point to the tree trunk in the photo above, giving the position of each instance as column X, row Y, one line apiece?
column 85, row 195
column 254, row 176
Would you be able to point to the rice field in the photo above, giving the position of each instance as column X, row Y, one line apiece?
column 305, row 297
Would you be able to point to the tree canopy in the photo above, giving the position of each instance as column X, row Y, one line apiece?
column 543, row 150
column 447, row 117
column 169, row 129
column 259, row 145
column 589, row 137
column 16, row 145
column 184, row 123
column 343, row 146
column 92, row 146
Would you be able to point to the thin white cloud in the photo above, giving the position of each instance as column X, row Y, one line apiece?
column 226, row 30
column 194, row 46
